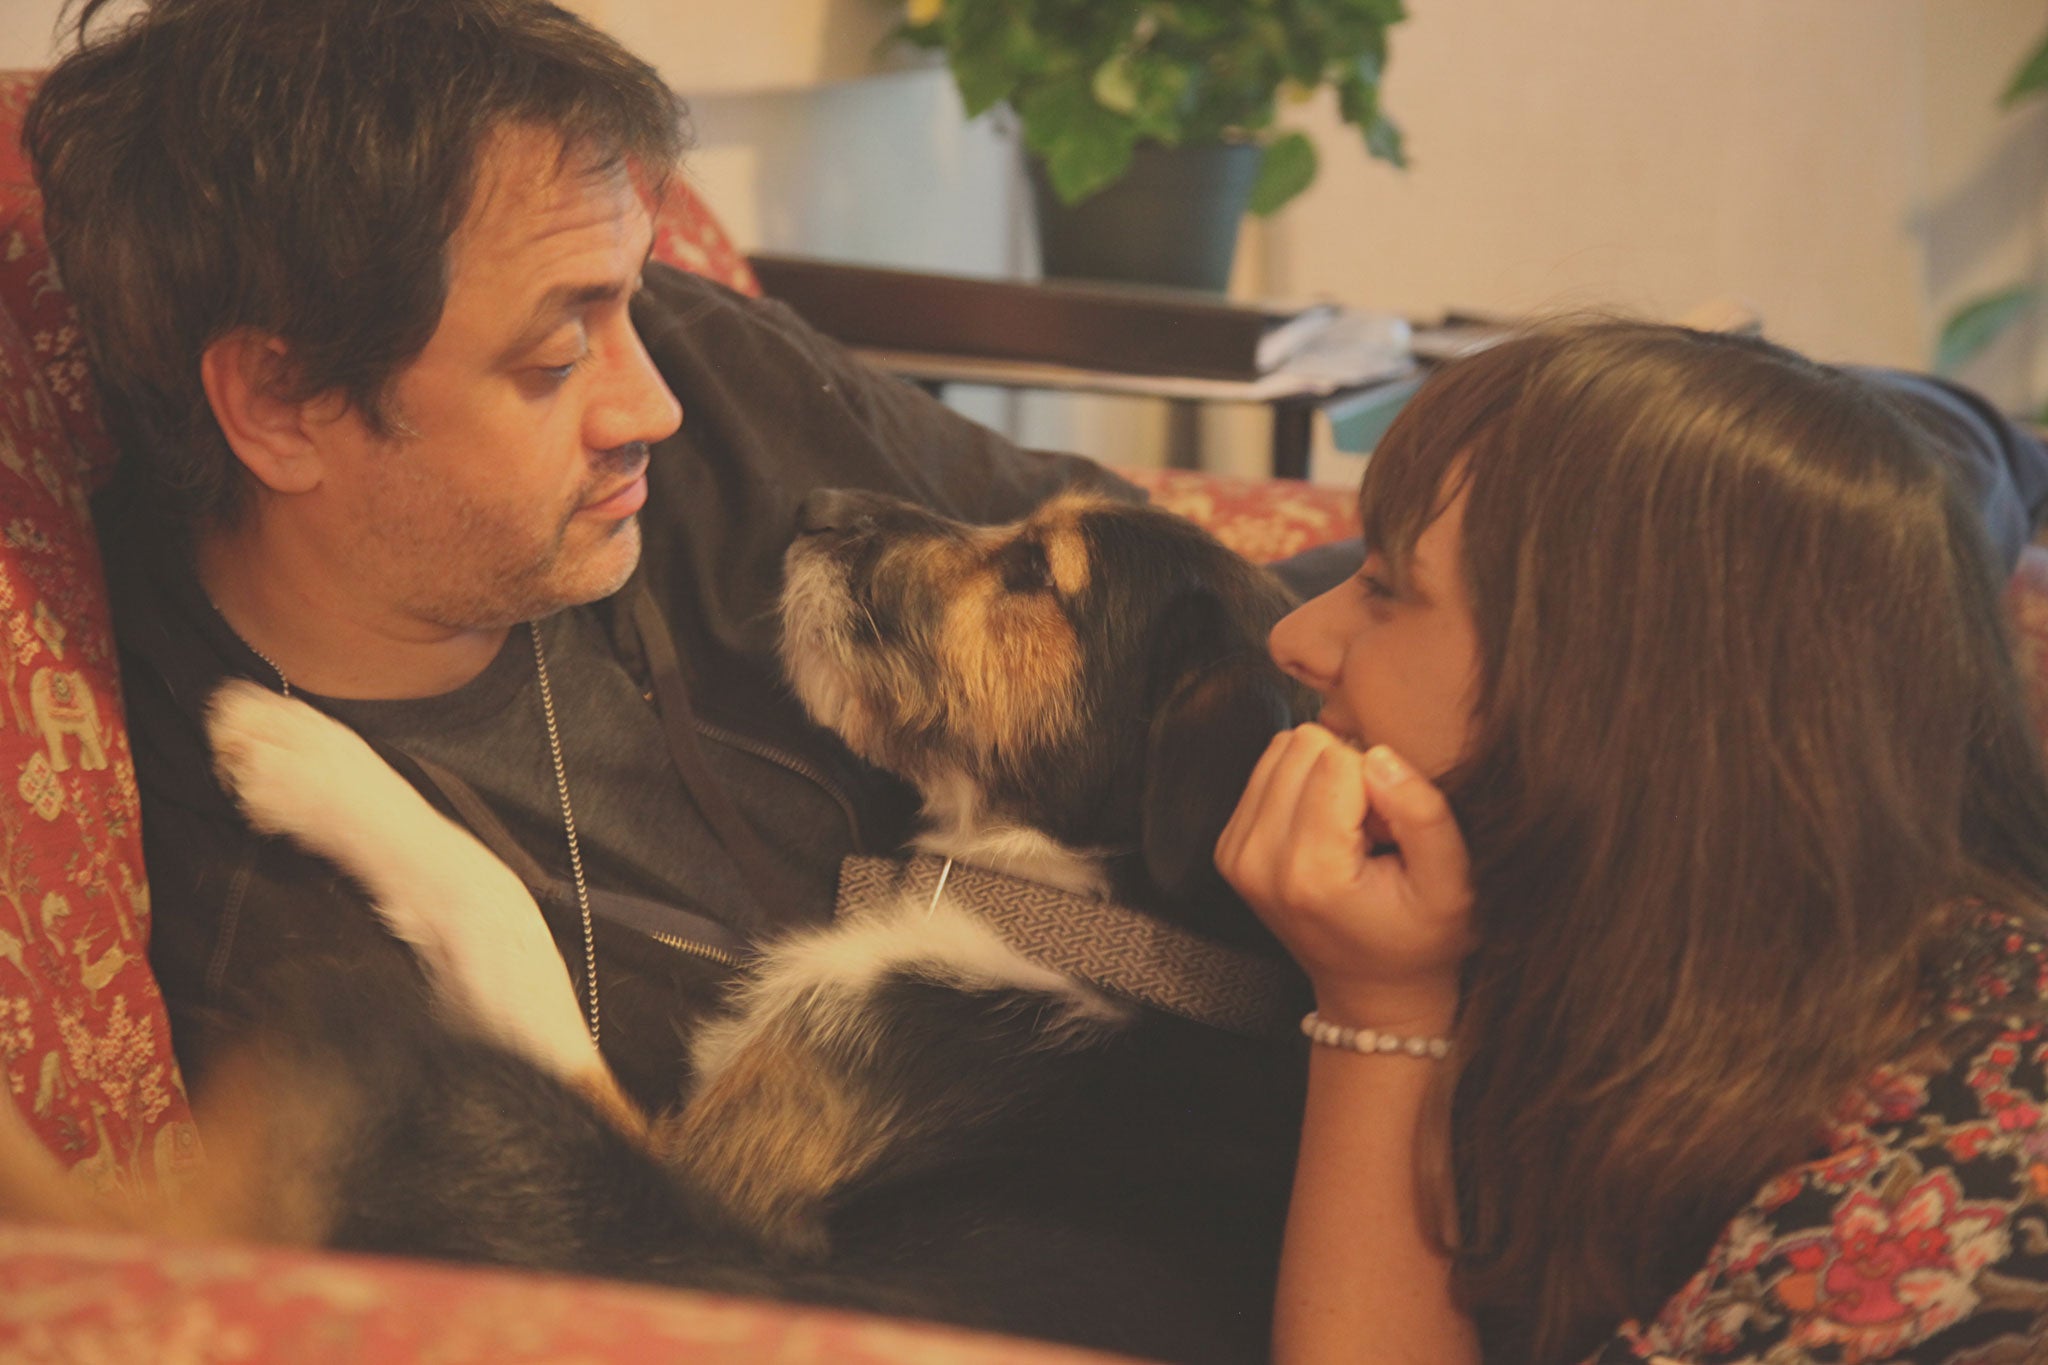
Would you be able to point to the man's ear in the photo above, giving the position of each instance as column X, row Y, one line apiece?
column 246, row 374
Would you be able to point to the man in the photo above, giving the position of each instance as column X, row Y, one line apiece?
column 365, row 283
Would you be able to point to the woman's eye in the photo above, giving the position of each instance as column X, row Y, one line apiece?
column 1376, row 587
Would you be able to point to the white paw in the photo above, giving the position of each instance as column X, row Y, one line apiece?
column 291, row 769
column 481, row 938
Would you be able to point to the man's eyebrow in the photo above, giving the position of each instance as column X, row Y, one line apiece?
column 566, row 299
column 559, row 303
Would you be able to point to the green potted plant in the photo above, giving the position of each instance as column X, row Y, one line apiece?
column 1107, row 91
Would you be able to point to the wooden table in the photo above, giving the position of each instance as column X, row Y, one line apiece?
column 1294, row 399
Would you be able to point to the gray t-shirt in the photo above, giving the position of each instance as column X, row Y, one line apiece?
column 628, row 799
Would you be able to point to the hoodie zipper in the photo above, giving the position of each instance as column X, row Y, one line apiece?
column 788, row 763
column 721, row 956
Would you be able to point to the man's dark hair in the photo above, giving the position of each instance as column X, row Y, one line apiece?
column 298, row 167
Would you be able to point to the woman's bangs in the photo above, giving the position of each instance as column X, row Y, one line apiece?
column 1421, row 463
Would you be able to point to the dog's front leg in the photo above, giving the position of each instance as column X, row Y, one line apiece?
column 485, row 946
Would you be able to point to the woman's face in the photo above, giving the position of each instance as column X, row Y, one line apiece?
column 1395, row 670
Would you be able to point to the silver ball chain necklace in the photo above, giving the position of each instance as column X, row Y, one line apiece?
column 547, row 708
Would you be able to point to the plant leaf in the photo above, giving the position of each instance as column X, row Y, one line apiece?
column 1383, row 139
column 1174, row 72
column 1113, row 87
column 979, row 53
column 1161, row 86
column 1284, row 171
column 1358, row 95
column 1358, row 100
column 1978, row 323
column 2030, row 79
column 1084, row 146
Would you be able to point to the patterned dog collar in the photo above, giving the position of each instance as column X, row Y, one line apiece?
column 1108, row 946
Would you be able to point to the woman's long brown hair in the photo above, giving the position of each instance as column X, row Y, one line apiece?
column 1747, row 722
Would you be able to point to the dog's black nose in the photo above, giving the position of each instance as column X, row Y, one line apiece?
column 835, row 509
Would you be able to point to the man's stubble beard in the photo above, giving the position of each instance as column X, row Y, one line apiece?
column 514, row 580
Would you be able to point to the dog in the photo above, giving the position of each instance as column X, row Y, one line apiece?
column 908, row 1111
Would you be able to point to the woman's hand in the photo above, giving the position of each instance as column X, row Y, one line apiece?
column 1381, row 937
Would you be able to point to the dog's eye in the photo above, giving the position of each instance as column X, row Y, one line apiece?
column 1023, row 567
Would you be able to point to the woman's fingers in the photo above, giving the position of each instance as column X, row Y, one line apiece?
column 1296, row 802
column 1376, row 932
column 1328, row 850
column 1419, row 818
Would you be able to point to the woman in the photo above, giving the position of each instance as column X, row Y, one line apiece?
column 1698, row 816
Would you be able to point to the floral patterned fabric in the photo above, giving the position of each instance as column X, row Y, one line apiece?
column 31, row 293
column 688, row 237
column 68, row 1296
column 1922, row 1234
column 84, row 1045
column 1261, row 519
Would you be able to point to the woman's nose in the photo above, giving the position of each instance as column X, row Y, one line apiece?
column 1305, row 646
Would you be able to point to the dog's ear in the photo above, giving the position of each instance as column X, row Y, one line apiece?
column 1205, row 738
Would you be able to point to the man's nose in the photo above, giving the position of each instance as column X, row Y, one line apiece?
column 636, row 404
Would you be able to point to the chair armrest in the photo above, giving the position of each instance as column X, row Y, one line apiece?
column 72, row 1295
column 1262, row 519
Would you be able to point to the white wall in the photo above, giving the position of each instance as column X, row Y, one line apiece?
column 1575, row 152
column 883, row 170
column 779, row 44
column 26, row 27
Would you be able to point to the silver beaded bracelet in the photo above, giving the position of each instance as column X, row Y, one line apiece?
column 1371, row 1040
